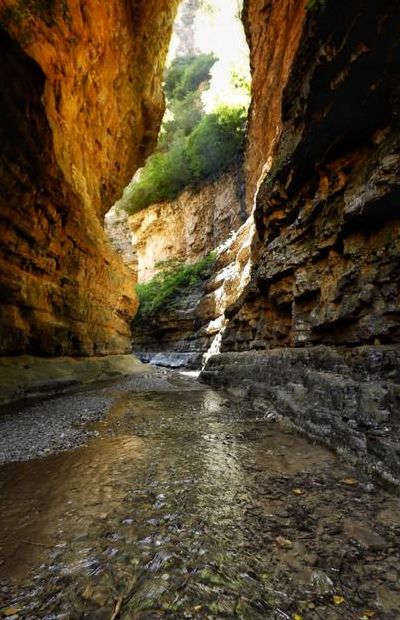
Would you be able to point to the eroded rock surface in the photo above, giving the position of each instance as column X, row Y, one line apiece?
column 119, row 234
column 326, row 256
column 350, row 398
column 81, row 108
column 273, row 30
column 188, row 228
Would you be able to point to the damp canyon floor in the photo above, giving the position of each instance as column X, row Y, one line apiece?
column 185, row 502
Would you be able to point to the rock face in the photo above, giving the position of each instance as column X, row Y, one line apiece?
column 191, row 330
column 81, row 109
column 28, row 376
column 325, row 256
column 188, row 229
column 191, row 226
column 176, row 337
column 348, row 397
column 273, row 31
column 119, row 234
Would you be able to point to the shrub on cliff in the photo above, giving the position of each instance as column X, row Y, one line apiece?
column 184, row 116
column 192, row 145
column 216, row 140
column 164, row 176
column 185, row 75
column 172, row 279
column 209, row 148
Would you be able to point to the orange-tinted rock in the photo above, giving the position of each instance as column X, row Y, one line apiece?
column 273, row 30
column 191, row 226
column 81, row 103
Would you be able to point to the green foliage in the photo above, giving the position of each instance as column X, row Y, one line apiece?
column 209, row 148
column 173, row 279
column 186, row 115
column 314, row 5
column 216, row 140
column 164, row 176
column 192, row 146
column 242, row 83
column 185, row 75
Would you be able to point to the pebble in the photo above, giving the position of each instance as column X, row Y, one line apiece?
column 56, row 424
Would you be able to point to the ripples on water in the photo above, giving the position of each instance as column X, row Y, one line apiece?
column 172, row 511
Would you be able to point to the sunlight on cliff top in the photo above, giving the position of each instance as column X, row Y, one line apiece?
column 217, row 28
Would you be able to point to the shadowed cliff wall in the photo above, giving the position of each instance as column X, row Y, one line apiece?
column 314, row 336
column 326, row 254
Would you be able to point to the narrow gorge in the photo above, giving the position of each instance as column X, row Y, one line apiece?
column 208, row 186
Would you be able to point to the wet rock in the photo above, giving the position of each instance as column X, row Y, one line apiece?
column 321, row 583
column 331, row 393
column 207, row 493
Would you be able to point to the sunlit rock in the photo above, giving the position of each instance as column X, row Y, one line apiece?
column 81, row 106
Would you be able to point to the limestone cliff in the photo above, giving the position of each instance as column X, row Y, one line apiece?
column 119, row 235
column 191, row 226
column 197, row 222
column 326, row 255
column 80, row 106
column 315, row 333
column 273, row 31
column 190, row 330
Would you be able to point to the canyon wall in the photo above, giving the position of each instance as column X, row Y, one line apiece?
column 183, row 333
column 200, row 220
column 192, row 225
column 119, row 234
column 273, row 31
column 81, row 106
column 326, row 253
column 315, row 333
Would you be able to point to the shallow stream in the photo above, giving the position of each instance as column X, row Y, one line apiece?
column 186, row 503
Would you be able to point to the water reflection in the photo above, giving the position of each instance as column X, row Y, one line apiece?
column 173, row 512
column 45, row 502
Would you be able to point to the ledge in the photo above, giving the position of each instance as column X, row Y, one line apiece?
column 27, row 376
column 348, row 398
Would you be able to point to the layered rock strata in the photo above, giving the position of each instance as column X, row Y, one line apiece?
column 81, row 106
column 197, row 222
column 348, row 397
column 273, row 31
column 119, row 235
column 326, row 254
column 188, row 228
column 176, row 336
column 188, row 332
column 325, row 274
column 28, row 376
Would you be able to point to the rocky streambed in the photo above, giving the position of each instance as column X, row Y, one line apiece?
column 185, row 502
